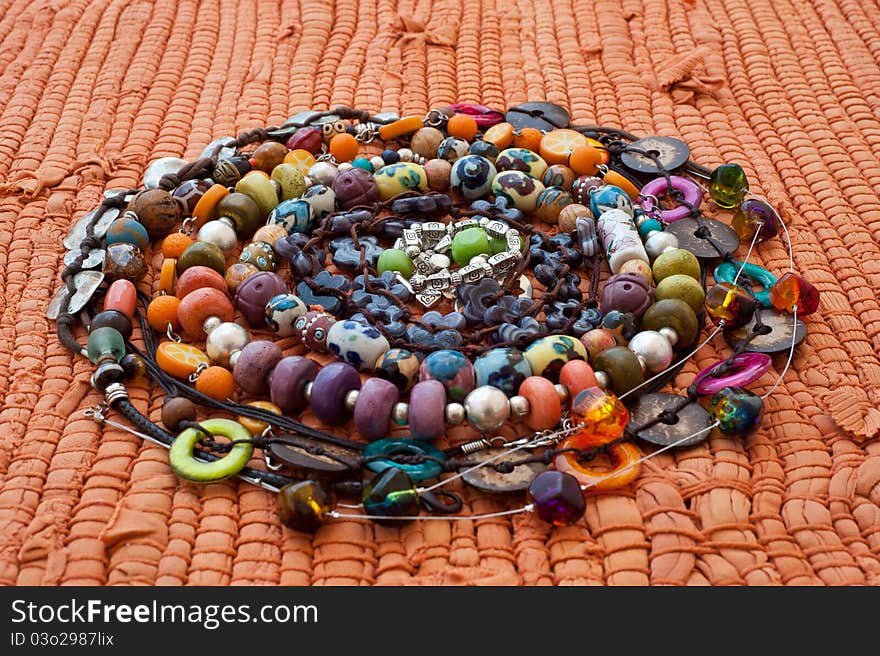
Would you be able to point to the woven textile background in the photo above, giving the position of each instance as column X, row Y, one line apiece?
column 91, row 91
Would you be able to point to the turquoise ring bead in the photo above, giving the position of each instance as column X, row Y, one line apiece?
column 184, row 463
column 726, row 272
column 382, row 450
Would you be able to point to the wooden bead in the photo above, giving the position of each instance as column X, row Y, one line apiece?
column 156, row 210
column 238, row 273
column 200, row 304
column 161, row 311
column 425, row 141
column 545, row 409
column 176, row 409
column 438, row 172
column 569, row 215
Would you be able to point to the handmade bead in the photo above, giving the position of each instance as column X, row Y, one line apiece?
column 363, row 163
column 302, row 159
column 468, row 244
column 290, row 179
column 647, row 226
column 168, row 276
column 380, row 458
column 427, row 405
column 756, row 216
column 270, row 233
column 677, row 261
column 528, row 138
column 355, row 187
column 400, row 367
column 452, row 148
column 756, row 275
column 644, row 270
column 260, row 189
column 303, row 506
column 200, row 304
column 288, row 380
column 547, row 355
column 224, row 340
column 521, row 159
column 357, row 344
column 617, row 179
column 260, row 254
column 134, row 366
column 156, row 210
column 792, row 289
column 620, row 238
column 505, row 368
column 500, row 134
column 254, row 363
column 627, row 292
column 681, row 287
column 188, row 194
column 484, row 149
column 230, row 169
column 162, row 312
column 244, row 212
column 520, row 189
column 659, row 243
column 313, row 328
column 398, row 178
column 202, row 253
column 394, row 259
column 487, row 408
column 268, row 155
column 675, row 314
column 186, row 466
column 438, row 173
column 624, row 468
column 587, row 158
column 557, row 498
column 569, row 215
column 175, row 410
column 323, row 174
column 622, row 367
column 728, row 185
column 282, row 312
column 332, row 383
column 600, row 417
column 124, row 261
column 238, row 273
column 175, row 244
column 551, row 202
column 581, row 189
column 254, row 293
column 391, row 493
column 425, row 141
column 308, row 138
column 462, row 126
column 205, row 208
column 560, row 176
column 545, row 406
column 127, row 231
column 179, row 360
column 121, row 296
column 217, row 383
column 293, row 216
column 105, row 342
column 608, row 197
column 730, row 303
column 472, row 176
column 737, row 411
column 654, row 348
column 621, row 325
column 344, row 147
column 452, row 369
column 577, row 376
column 372, row 411
column 258, row 426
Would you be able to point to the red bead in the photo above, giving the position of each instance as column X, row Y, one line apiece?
column 790, row 290
column 730, row 303
column 121, row 296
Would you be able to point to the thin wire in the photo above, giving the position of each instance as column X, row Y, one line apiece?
column 749, row 253
column 436, row 518
column 784, row 228
column 790, row 354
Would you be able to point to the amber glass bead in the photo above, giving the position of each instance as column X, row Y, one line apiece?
column 622, row 366
column 737, row 411
column 601, row 416
column 303, row 506
column 754, row 213
column 134, row 366
column 728, row 185
column 624, row 467
column 730, row 303
column 790, row 290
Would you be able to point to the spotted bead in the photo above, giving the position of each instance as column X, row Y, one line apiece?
column 398, row 178
column 472, row 176
column 260, row 254
column 322, row 199
column 282, row 311
column 452, row 148
column 547, row 355
column 293, row 215
column 505, row 368
column 521, row 159
column 358, row 344
column 452, row 369
column 551, row 202
column 400, row 367
column 519, row 188
column 609, row 197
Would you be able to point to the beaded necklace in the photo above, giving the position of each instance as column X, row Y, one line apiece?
column 451, row 221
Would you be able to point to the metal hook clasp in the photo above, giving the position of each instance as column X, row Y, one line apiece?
column 97, row 412
column 435, row 118
column 194, row 376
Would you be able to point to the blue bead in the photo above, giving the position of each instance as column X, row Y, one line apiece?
column 504, row 367
column 726, row 272
column 127, row 231
column 649, row 226
column 363, row 163
column 391, row 494
column 737, row 411
column 608, row 197
column 390, row 156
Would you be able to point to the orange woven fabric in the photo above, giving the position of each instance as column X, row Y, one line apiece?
column 91, row 91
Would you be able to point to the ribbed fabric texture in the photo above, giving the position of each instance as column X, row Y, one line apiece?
column 91, row 92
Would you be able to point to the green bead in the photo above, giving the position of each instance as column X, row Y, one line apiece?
column 676, row 261
column 185, row 464
column 391, row 493
column 394, row 259
column 363, row 163
column 105, row 341
column 469, row 243
column 202, row 253
column 291, row 180
column 497, row 245
column 675, row 314
column 260, row 189
column 622, row 366
column 728, row 185
column 243, row 211
column 682, row 287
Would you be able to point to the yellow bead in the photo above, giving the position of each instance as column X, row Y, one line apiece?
column 256, row 426
column 397, row 178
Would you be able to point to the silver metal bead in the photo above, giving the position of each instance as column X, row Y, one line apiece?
column 653, row 349
column 440, row 261
column 669, row 334
column 519, row 406
column 659, row 242
column 487, row 408
column 602, row 379
column 455, row 414
column 344, row 166
column 477, row 260
column 642, row 363
column 350, row 399
column 233, row 358
column 309, row 182
column 210, row 324
column 219, row 233
column 307, row 391
column 400, row 414
column 406, row 155
column 562, row 391
column 323, row 173
column 224, row 339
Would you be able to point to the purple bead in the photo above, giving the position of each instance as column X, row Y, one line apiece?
column 427, row 410
column 557, row 497
column 288, row 382
column 252, row 295
column 373, row 408
column 745, row 368
column 355, row 187
column 627, row 292
column 254, row 364
column 331, row 385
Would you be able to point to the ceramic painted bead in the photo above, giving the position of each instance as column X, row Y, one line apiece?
column 398, row 178
column 520, row 189
column 484, row 149
column 581, row 187
column 627, row 292
column 322, row 198
column 737, row 411
column 728, row 185
column 472, row 176
column 451, row 368
column 291, row 180
column 243, row 211
column 355, row 187
column 609, row 197
column 357, row 344
column 156, row 210
column 551, row 202
column 127, row 231
column 425, row 142
column 505, row 368
column 547, row 355
column 400, row 367
column 560, row 176
column 202, row 253
column 260, row 189
column 313, row 327
column 521, row 159
column 792, row 289
column 260, row 254
column 188, row 194
column 124, row 261
column 452, row 148
column 282, row 312
column 641, row 268
column 270, row 234
column 597, row 340
column 730, row 303
column 600, row 416
column 293, row 215
column 623, row 325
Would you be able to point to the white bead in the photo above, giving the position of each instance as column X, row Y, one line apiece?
column 323, row 173
column 350, row 399
column 219, row 233
column 659, row 242
column 653, row 348
column 670, row 334
column 602, row 379
column 225, row 339
column 455, row 414
column 519, row 406
column 477, row 260
column 440, row 261
column 344, row 166
column 308, row 181
column 487, row 408
column 406, row 155
column 377, row 162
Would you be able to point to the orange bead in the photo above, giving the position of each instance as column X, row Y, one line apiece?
column 161, row 311
column 216, row 382
column 200, row 304
column 461, row 126
column 179, row 360
column 586, row 159
column 612, row 177
column 206, row 208
column 401, row 128
column 558, row 145
column 601, row 416
column 500, row 134
column 545, row 408
column 175, row 243
column 301, row 159
column 528, row 138
column 198, row 277
column 577, row 376
column 344, row 147
column 255, row 426
column 168, row 276
column 624, row 470
column 122, row 297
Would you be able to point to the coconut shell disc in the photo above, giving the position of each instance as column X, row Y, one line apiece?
column 670, row 152
column 692, row 420
column 696, row 240
column 490, row 479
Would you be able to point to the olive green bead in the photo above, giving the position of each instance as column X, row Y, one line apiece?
column 202, row 253
column 394, row 259
column 622, row 366
column 291, row 180
column 728, row 185
column 103, row 342
column 674, row 262
column 260, row 188
column 243, row 211
column 682, row 287
column 469, row 243
column 676, row 314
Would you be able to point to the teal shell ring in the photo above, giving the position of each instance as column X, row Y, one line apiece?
column 726, row 272
column 185, row 464
column 391, row 446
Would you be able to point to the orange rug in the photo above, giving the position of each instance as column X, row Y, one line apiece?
column 92, row 91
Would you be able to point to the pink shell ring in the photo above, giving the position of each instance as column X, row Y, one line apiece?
column 691, row 191
column 745, row 368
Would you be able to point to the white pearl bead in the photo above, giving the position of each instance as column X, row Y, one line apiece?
column 487, row 408
column 225, row 339
column 659, row 242
column 654, row 348
column 406, row 155
column 455, row 414
column 219, row 233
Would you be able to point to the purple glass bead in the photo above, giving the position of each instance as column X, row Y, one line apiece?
column 372, row 412
column 627, row 292
column 557, row 497
column 252, row 295
column 355, row 187
column 331, row 385
column 288, row 381
column 254, row 364
column 427, row 410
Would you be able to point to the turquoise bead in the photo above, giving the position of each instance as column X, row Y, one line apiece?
column 649, row 226
column 504, row 367
column 127, row 231
column 363, row 163
column 469, row 243
column 394, row 259
column 103, row 342
column 726, row 272
column 382, row 450
column 391, row 494
column 609, row 197
column 728, row 185
column 737, row 411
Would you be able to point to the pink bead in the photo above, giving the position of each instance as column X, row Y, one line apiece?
column 658, row 187
column 746, row 368
column 121, row 296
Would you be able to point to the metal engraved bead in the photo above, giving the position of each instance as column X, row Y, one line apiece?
column 455, row 228
column 439, row 281
column 514, row 242
column 519, row 406
column 471, row 273
column 444, row 245
column 399, row 244
column 428, row 298
column 412, row 251
column 455, row 414
column 455, row 279
column 411, row 237
column 422, row 264
column 497, row 228
column 433, row 231
column 416, row 228
column 503, row 261
column 418, row 282
column 484, row 221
